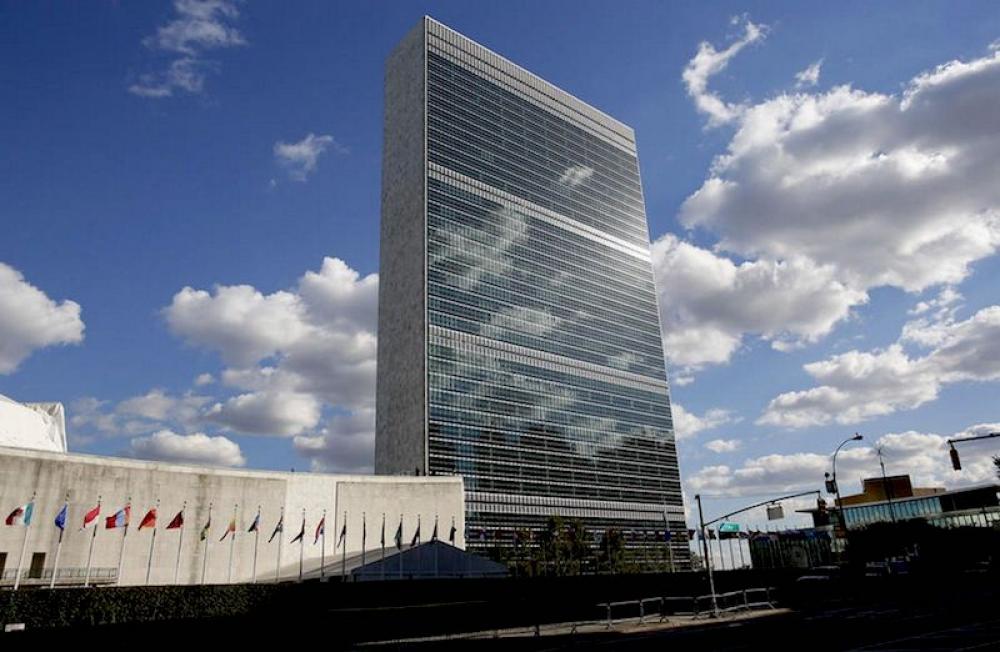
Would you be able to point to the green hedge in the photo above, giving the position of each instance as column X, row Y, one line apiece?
column 69, row 607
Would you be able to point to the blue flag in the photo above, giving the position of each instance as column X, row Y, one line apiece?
column 61, row 517
column 666, row 535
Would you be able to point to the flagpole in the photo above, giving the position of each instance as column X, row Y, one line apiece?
column 256, row 541
column 180, row 540
column 281, row 533
column 62, row 530
column 204, row 558
column 400, row 546
column 121, row 551
column 93, row 537
column 232, row 544
column 364, row 537
column 322, row 552
column 302, row 542
column 383, row 546
column 149, row 563
column 343, row 558
column 435, row 547
column 24, row 543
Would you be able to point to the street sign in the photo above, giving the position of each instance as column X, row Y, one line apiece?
column 729, row 527
column 775, row 512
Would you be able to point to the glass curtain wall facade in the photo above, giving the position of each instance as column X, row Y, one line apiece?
column 531, row 362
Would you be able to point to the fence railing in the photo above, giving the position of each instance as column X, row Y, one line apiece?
column 68, row 575
column 693, row 606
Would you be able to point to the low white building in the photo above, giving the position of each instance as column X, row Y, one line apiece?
column 206, row 494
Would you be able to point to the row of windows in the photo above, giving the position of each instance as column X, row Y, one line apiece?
column 544, row 403
column 510, row 114
column 557, row 441
column 446, row 316
column 477, row 363
column 453, row 155
column 883, row 512
column 573, row 187
column 536, row 318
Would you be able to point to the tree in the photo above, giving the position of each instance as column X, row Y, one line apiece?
column 996, row 463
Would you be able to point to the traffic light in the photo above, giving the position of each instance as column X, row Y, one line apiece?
column 821, row 505
column 955, row 462
column 831, row 486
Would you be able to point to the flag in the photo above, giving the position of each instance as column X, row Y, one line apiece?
column 434, row 534
column 690, row 534
column 90, row 518
column 321, row 530
column 364, row 531
column 204, row 530
column 343, row 536
column 399, row 535
column 119, row 518
column 177, row 522
column 255, row 526
column 61, row 517
column 383, row 531
column 280, row 527
column 302, row 532
column 416, row 535
column 149, row 520
column 667, row 536
column 451, row 533
column 21, row 515
column 230, row 529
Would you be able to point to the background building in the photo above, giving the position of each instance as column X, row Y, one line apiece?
column 519, row 335
column 80, row 480
column 41, row 426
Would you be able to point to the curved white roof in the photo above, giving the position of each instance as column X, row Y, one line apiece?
column 39, row 426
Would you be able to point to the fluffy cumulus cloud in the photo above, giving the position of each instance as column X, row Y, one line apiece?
column 896, row 190
column 821, row 197
column 301, row 158
column 30, row 320
column 197, row 27
column 197, row 448
column 859, row 385
column 708, row 302
column 292, row 356
column 708, row 62
column 924, row 456
column 688, row 424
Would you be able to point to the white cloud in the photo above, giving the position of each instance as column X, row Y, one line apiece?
column 268, row 413
column 856, row 385
column 723, row 445
column 30, row 320
column 707, row 302
column 809, row 76
column 346, row 445
column 290, row 354
column 300, row 159
column 923, row 456
column 200, row 26
column 708, row 62
column 197, row 448
column 204, row 379
column 687, row 424
column 575, row 175
column 896, row 190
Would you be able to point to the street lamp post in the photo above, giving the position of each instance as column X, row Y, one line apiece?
column 708, row 559
column 836, row 485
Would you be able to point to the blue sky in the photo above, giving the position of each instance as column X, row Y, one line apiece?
column 841, row 207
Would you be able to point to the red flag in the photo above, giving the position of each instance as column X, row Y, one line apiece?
column 91, row 517
column 149, row 520
column 177, row 522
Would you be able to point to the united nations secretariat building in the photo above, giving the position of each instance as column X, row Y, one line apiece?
column 519, row 336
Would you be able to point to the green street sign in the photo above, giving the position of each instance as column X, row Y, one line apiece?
column 729, row 527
